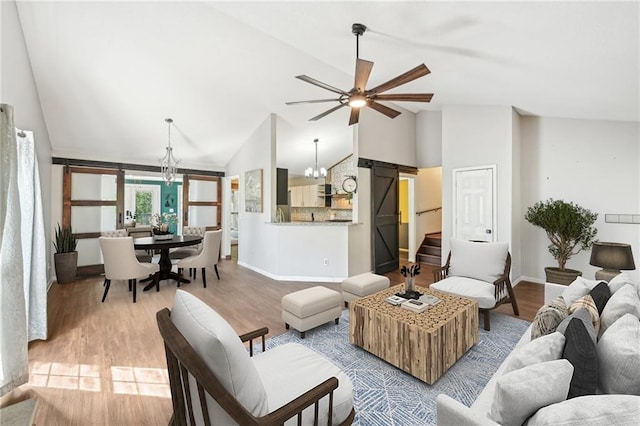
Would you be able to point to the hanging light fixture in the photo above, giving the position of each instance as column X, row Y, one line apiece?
column 314, row 171
column 168, row 163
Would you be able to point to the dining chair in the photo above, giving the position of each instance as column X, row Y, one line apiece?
column 208, row 257
column 141, row 255
column 120, row 263
column 182, row 252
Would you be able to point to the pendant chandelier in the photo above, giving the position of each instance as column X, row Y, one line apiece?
column 314, row 171
column 168, row 163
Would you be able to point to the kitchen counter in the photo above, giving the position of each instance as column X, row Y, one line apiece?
column 314, row 223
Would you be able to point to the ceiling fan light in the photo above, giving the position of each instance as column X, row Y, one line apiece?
column 357, row 101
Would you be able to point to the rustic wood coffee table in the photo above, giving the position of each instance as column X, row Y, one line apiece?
column 424, row 345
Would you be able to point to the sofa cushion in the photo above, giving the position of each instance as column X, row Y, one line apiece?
column 578, row 288
column 586, row 302
column 545, row 348
column 482, row 261
column 548, row 317
column 591, row 410
column 583, row 316
column 619, row 357
column 522, row 392
column 619, row 281
column 222, row 351
column 290, row 370
column 580, row 351
column 600, row 295
column 482, row 291
column 623, row 301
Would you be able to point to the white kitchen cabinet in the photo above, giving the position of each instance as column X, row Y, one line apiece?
column 307, row 196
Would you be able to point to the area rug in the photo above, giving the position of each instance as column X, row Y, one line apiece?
column 384, row 395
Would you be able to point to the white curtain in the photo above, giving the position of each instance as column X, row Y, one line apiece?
column 34, row 252
column 14, row 369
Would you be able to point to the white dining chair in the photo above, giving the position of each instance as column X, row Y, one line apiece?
column 182, row 252
column 120, row 263
column 141, row 255
column 208, row 257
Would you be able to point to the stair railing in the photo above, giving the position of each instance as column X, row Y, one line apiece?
column 435, row 209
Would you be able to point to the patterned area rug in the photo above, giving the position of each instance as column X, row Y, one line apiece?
column 384, row 395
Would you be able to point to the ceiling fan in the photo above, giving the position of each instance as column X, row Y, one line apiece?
column 359, row 96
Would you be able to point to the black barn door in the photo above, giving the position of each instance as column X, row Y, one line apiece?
column 386, row 256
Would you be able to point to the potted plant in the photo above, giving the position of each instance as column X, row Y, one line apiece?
column 66, row 256
column 570, row 230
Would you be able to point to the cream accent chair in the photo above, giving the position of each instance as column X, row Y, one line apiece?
column 120, row 263
column 208, row 257
column 182, row 252
column 215, row 381
column 141, row 255
column 480, row 271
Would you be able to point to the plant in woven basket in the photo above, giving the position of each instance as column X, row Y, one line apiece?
column 569, row 227
column 65, row 241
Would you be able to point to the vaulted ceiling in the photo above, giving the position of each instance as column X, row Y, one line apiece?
column 109, row 73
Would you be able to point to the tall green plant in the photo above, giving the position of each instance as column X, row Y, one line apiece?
column 568, row 226
column 65, row 240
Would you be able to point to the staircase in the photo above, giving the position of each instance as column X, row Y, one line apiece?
column 430, row 249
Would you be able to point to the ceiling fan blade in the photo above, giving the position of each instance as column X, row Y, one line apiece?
column 389, row 112
column 355, row 116
column 313, row 101
column 320, row 84
column 419, row 71
column 407, row 97
column 318, row 117
column 363, row 70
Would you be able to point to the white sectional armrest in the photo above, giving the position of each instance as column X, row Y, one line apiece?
column 453, row 413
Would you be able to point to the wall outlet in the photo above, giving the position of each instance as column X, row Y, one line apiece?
column 325, row 262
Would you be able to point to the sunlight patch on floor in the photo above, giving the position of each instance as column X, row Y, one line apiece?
column 85, row 377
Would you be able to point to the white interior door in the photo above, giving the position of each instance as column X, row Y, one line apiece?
column 474, row 203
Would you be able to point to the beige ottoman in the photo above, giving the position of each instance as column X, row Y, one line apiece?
column 353, row 288
column 311, row 307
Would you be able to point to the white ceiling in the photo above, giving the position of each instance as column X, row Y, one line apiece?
column 109, row 73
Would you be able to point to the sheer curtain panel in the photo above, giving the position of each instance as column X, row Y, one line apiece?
column 34, row 251
column 14, row 369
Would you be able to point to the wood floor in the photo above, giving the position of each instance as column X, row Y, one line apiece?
column 104, row 363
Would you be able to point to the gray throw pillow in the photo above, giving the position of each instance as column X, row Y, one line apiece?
column 619, row 357
column 548, row 317
column 581, row 353
column 583, row 316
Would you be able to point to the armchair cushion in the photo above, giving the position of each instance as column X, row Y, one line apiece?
column 222, row 351
column 482, row 291
column 289, row 370
column 482, row 261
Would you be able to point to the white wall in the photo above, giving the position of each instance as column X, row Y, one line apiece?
column 516, row 202
column 389, row 140
column 360, row 260
column 592, row 163
column 256, row 240
column 18, row 88
column 478, row 136
column 428, row 195
column 429, row 139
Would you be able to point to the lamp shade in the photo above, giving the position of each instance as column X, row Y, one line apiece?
column 614, row 256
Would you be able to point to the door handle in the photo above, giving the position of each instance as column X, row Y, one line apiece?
column 488, row 231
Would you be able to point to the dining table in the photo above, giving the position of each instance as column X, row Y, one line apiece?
column 153, row 243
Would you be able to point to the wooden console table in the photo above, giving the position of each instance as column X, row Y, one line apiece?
column 424, row 345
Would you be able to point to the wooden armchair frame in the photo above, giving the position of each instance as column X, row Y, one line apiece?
column 182, row 360
column 503, row 292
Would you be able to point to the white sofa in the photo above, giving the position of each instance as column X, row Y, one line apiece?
column 535, row 397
